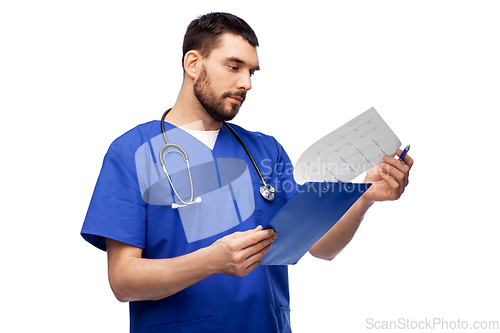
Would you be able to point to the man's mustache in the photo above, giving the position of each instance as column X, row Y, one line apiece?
column 241, row 95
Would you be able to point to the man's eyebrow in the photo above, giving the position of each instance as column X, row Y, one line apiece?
column 240, row 61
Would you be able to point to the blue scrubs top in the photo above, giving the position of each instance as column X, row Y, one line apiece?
column 132, row 204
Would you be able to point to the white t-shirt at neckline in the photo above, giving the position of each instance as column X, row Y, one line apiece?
column 207, row 137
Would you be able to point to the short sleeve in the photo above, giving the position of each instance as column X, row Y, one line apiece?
column 116, row 210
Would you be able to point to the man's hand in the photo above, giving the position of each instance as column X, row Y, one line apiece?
column 389, row 179
column 240, row 253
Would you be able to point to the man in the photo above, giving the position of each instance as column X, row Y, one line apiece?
column 196, row 268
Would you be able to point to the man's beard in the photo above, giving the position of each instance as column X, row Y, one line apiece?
column 212, row 104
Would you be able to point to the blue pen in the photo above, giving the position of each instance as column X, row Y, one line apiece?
column 403, row 154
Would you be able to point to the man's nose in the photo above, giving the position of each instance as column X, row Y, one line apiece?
column 245, row 81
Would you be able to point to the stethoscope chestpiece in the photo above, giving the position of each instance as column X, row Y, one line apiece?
column 267, row 191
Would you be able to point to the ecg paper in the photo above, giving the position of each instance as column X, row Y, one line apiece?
column 348, row 151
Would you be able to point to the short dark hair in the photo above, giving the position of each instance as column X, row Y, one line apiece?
column 203, row 34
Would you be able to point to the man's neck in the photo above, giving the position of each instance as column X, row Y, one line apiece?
column 189, row 113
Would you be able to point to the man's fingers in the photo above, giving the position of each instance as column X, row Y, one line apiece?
column 403, row 167
column 244, row 261
column 256, row 236
column 256, row 251
column 262, row 245
column 396, row 169
column 392, row 171
column 396, row 174
column 262, row 248
column 407, row 160
column 248, row 232
column 254, row 260
column 387, row 176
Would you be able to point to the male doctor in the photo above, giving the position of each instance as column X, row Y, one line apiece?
column 177, row 282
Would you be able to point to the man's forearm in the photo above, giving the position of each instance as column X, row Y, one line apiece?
column 134, row 278
column 332, row 243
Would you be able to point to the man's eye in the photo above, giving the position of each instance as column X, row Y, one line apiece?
column 234, row 68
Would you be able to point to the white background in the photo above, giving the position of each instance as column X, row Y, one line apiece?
column 77, row 74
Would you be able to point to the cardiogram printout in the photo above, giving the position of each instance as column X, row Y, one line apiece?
column 348, row 151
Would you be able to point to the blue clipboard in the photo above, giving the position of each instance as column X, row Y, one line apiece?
column 307, row 216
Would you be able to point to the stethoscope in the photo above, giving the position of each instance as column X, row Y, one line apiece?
column 266, row 190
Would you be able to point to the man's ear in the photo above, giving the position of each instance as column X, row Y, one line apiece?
column 192, row 61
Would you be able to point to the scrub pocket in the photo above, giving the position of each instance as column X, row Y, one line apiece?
column 205, row 325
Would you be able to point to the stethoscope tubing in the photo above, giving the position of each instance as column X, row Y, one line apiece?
column 247, row 151
column 266, row 190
